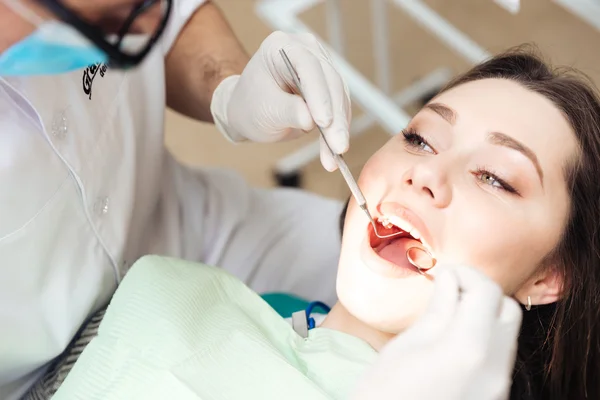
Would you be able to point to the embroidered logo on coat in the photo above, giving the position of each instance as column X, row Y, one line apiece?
column 89, row 74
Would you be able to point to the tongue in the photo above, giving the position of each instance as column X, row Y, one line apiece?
column 395, row 251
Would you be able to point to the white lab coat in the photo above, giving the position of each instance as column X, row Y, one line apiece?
column 87, row 187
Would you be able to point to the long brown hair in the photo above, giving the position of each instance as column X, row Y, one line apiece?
column 559, row 344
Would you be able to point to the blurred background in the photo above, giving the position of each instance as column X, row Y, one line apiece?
column 393, row 51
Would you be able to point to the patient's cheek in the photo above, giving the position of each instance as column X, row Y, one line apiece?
column 372, row 171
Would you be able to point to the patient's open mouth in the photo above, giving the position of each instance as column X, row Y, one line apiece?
column 405, row 250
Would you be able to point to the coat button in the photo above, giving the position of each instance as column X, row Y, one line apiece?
column 101, row 206
column 60, row 125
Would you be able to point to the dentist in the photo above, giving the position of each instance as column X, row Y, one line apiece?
column 87, row 187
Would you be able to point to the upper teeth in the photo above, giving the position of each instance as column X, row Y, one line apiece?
column 389, row 220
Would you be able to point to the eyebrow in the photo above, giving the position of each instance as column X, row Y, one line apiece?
column 497, row 138
column 443, row 111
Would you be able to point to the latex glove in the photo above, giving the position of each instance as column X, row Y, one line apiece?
column 462, row 348
column 260, row 106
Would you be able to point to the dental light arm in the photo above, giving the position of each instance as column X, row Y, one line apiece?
column 512, row 6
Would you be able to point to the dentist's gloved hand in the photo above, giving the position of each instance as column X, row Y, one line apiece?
column 260, row 105
column 462, row 348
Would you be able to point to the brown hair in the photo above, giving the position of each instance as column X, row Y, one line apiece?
column 559, row 344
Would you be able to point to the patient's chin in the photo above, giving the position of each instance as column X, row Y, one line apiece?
column 382, row 305
column 388, row 313
column 391, row 326
column 381, row 319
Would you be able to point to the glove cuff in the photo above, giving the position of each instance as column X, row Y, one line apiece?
column 218, row 108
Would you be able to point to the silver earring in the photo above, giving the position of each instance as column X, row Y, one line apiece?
column 528, row 306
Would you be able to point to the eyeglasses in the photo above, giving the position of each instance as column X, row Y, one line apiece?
column 121, row 54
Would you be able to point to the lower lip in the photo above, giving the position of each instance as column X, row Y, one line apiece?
column 383, row 267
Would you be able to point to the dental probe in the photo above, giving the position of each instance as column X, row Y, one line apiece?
column 339, row 160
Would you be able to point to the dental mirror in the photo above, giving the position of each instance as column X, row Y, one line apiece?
column 421, row 259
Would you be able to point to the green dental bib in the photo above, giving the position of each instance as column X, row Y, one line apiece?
column 186, row 331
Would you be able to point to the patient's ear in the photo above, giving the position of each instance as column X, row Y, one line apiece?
column 544, row 287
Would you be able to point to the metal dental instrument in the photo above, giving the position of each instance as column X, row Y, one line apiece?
column 339, row 160
column 420, row 268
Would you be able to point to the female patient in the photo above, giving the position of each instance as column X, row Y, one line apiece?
column 499, row 172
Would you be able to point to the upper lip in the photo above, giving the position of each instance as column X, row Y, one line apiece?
column 407, row 217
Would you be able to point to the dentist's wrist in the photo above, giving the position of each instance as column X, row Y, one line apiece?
column 219, row 105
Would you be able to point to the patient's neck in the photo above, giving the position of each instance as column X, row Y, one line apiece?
column 340, row 319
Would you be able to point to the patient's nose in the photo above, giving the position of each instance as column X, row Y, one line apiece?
column 430, row 182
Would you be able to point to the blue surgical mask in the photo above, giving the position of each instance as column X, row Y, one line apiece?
column 54, row 48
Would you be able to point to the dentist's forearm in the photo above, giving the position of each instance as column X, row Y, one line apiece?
column 205, row 53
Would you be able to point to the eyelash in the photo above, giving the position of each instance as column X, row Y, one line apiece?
column 411, row 136
column 480, row 171
column 414, row 140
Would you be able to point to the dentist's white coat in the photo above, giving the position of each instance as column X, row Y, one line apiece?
column 86, row 187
